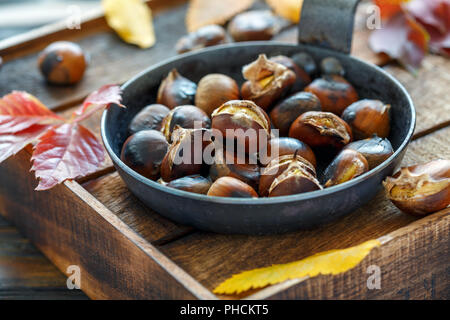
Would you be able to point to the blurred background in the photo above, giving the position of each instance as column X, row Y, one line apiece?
column 17, row 16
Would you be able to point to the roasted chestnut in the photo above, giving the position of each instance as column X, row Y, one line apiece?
column 62, row 62
column 243, row 121
column 256, row 25
column 206, row 36
column 331, row 65
column 286, row 146
column 420, row 189
column 302, row 78
column 231, row 166
column 286, row 175
column 185, row 154
column 144, row 151
column 375, row 150
column 194, row 183
column 368, row 117
column 306, row 62
column 185, row 117
column 321, row 129
column 285, row 112
column 267, row 81
column 231, row 187
column 347, row 165
column 150, row 117
column 176, row 90
column 214, row 90
column 334, row 92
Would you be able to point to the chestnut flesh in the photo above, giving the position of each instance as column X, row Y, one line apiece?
column 150, row 117
column 144, row 152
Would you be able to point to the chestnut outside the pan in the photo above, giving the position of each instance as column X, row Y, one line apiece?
column 277, row 214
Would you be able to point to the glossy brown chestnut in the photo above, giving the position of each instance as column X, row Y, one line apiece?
column 334, row 92
column 286, row 146
column 144, row 151
column 302, row 78
column 176, row 90
column 230, row 166
column 368, row 117
column 267, row 81
column 243, row 121
column 285, row 112
column 194, row 183
column 231, row 187
column 206, row 36
column 150, row 117
column 183, row 158
column 306, row 62
column 420, row 189
column 186, row 117
column 278, row 166
column 376, row 150
column 256, row 25
column 347, row 165
column 330, row 66
column 62, row 62
column 321, row 129
column 214, row 90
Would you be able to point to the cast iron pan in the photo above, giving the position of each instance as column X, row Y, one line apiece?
column 326, row 30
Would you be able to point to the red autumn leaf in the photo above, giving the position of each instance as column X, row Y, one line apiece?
column 402, row 38
column 65, row 152
column 97, row 100
column 389, row 8
column 10, row 144
column 434, row 15
column 20, row 110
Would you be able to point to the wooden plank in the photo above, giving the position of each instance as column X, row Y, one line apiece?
column 112, row 192
column 72, row 228
column 211, row 258
column 429, row 89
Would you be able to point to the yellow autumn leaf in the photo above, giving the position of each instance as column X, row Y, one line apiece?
column 132, row 20
column 327, row 262
column 288, row 9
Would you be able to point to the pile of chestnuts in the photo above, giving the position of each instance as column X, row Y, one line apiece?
column 327, row 134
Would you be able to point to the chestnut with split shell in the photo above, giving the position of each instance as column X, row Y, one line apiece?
column 321, row 130
column 420, row 189
column 376, row 150
column 347, row 165
column 176, row 90
column 231, row 187
column 302, row 78
column 267, row 81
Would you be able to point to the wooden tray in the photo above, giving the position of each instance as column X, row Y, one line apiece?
column 125, row 250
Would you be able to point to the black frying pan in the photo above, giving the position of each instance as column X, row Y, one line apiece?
column 326, row 30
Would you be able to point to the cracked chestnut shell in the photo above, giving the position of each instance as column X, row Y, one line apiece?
column 420, row 189
column 334, row 92
column 150, row 117
column 376, row 150
column 285, row 112
column 144, row 152
column 244, row 115
column 287, row 146
column 214, row 90
column 256, row 25
column 176, row 90
column 331, row 66
column 347, row 165
column 62, row 62
column 302, row 78
column 186, row 117
column 368, row 117
column 267, row 81
column 193, row 183
column 291, row 163
column 183, row 158
column 206, row 36
column 231, row 187
column 321, row 129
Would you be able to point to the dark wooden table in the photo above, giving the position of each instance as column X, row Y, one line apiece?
column 25, row 273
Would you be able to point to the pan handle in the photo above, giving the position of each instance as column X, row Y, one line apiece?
column 327, row 24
